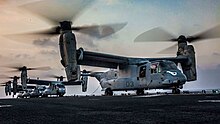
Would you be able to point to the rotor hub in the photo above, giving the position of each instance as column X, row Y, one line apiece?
column 15, row 78
column 61, row 78
column 65, row 25
column 23, row 68
column 182, row 41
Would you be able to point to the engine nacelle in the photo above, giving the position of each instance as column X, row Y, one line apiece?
column 8, row 88
column 68, row 54
column 15, row 85
column 189, row 67
column 24, row 79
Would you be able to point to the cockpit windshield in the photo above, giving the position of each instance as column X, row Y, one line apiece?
column 168, row 65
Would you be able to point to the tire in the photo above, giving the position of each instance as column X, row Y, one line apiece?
column 140, row 92
column 59, row 94
column 176, row 91
column 44, row 95
column 108, row 92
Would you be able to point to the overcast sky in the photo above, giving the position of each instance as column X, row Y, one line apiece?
column 177, row 16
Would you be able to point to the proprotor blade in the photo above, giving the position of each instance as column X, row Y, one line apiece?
column 170, row 50
column 100, row 31
column 52, row 31
column 40, row 68
column 58, row 10
column 211, row 33
column 8, row 77
column 59, row 78
column 16, row 67
column 4, row 76
column 20, row 68
column 55, row 76
column 155, row 34
column 158, row 34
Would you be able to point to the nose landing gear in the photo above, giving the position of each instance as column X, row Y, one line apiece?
column 140, row 92
column 108, row 92
column 175, row 91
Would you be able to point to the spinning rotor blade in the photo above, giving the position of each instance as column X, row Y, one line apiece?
column 55, row 76
column 17, row 70
column 100, row 31
column 5, row 76
column 13, row 66
column 156, row 34
column 20, row 68
column 40, row 68
column 58, row 10
column 5, row 83
column 170, row 50
column 52, row 31
column 8, row 77
column 211, row 33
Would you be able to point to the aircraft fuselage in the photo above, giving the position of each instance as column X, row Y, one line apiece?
column 147, row 76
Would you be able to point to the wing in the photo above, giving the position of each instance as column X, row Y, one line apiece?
column 39, row 82
column 113, row 61
column 101, row 60
column 178, row 59
column 47, row 82
column 71, row 82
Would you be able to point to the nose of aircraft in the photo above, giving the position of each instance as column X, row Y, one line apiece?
column 174, row 77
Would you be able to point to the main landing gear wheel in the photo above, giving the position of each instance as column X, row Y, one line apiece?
column 108, row 92
column 175, row 91
column 140, row 92
column 59, row 94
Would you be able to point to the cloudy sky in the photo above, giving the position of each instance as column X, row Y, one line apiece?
column 186, row 17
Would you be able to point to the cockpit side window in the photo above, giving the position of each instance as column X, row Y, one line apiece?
column 142, row 72
column 155, row 68
column 167, row 65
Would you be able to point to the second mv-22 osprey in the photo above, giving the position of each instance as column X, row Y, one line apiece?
column 132, row 73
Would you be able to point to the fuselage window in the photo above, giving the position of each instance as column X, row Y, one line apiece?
column 142, row 72
column 154, row 68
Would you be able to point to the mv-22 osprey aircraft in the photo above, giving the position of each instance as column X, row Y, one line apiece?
column 54, row 87
column 24, row 80
column 132, row 73
column 26, row 83
column 148, row 73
